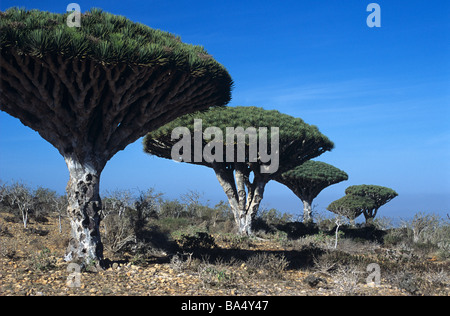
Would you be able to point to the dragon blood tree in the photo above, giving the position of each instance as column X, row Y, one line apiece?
column 92, row 90
column 308, row 180
column 351, row 206
column 378, row 194
column 234, row 142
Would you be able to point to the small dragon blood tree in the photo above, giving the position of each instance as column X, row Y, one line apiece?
column 308, row 180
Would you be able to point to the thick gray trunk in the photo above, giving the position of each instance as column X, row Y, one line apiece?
column 244, row 205
column 244, row 220
column 307, row 212
column 252, row 206
column 84, row 203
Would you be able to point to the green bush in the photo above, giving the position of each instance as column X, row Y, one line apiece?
column 43, row 260
column 275, row 217
column 217, row 275
column 396, row 236
column 172, row 224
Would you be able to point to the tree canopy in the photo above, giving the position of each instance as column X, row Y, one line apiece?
column 378, row 194
column 297, row 143
column 351, row 206
column 92, row 90
column 309, row 179
column 109, row 77
column 103, row 37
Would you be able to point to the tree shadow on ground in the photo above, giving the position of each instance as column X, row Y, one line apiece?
column 297, row 259
column 158, row 247
column 296, row 230
column 202, row 246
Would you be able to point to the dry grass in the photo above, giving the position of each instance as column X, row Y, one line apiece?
column 223, row 264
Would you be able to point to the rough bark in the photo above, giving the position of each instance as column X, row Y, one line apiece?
column 253, row 206
column 84, row 204
column 243, row 196
column 225, row 177
column 307, row 211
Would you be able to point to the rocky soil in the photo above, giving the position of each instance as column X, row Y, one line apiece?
column 31, row 264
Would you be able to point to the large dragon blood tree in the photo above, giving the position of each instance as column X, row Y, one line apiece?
column 92, row 90
column 242, row 178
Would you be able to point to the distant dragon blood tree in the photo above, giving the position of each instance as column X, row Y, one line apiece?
column 92, row 90
column 308, row 180
column 351, row 206
column 243, row 180
column 378, row 194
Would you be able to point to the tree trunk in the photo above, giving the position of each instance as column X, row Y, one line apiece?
column 25, row 217
column 307, row 211
column 370, row 216
column 245, row 228
column 244, row 219
column 254, row 200
column 59, row 223
column 244, row 204
column 84, row 203
column 338, row 224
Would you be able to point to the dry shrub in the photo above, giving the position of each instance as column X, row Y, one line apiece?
column 8, row 248
column 267, row 265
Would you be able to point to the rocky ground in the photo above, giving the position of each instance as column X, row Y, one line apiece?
column 31, row 264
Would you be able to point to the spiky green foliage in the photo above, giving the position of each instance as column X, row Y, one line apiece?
column 110, row 76
column 245, row 117
column 311, row 177
column 378, row 194
column 351, row 206
column 103, row 37
column 299, row 141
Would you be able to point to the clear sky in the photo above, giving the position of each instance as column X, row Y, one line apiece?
column 382, row 95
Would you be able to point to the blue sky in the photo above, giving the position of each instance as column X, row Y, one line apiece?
column 381, row 94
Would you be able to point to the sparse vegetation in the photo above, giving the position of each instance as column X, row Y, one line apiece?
column 144, row 230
